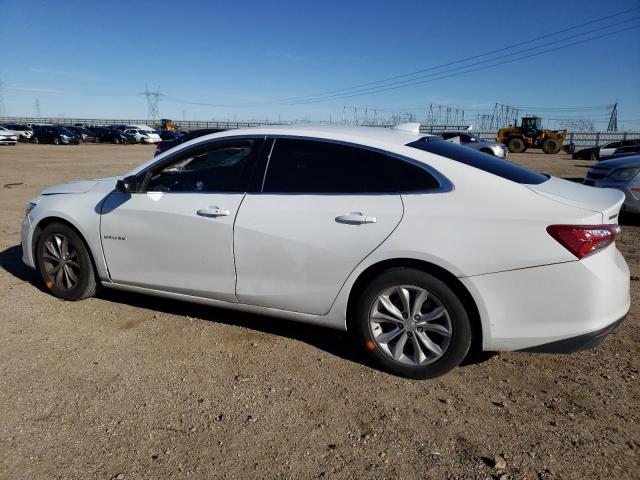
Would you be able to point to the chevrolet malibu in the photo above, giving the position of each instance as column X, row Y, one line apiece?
column 420, row 248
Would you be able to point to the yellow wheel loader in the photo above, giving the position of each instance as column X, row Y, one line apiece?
column 531, row 135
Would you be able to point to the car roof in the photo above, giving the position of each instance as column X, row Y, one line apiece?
column 355, row 134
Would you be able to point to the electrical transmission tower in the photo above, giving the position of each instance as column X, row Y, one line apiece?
column 153, row 102
column 38, row 115
column 3, row 111
column 613, row 120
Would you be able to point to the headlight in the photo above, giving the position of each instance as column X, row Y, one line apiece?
column 624, row 174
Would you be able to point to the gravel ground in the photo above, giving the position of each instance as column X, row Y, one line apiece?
column 131, row 387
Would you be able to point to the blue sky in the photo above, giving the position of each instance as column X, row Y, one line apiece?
column 91, row 59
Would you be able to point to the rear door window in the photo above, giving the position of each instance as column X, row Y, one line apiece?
column 479, row 160
column 318, row 167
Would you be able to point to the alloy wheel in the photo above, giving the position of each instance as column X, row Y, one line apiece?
column 410, row 325
column 61, row 262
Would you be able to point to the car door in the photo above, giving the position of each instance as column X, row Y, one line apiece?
column 609, row 148
column 321, row 209
column 176, row 233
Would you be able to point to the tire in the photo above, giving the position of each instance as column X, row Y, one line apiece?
column 391, row 337
column 550, row 146
column 594, row 155
column 56, row 141
column 516, row 145
column 36, row 140
column 97, row 140
column 116, row 140
column 74, row 277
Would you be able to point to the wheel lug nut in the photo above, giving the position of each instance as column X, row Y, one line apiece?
column 404, row 315
column 416, row 318
column 409, row 334
column 400, row 325
column 419, row 329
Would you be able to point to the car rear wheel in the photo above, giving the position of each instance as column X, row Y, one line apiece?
column 412, row 324
column 97, row 140
column 56, row 141
column 64, row 263
column 516, row 145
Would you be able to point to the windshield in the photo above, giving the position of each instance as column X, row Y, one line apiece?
column 479, row 160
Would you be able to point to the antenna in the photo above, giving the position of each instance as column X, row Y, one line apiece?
column 153, row 102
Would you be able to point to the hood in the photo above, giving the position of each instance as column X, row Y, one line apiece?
column 630, row 161
column 606, row 201
column 80, row 186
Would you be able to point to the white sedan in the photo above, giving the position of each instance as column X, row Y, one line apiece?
column 7, row 137
column 144, row 136
column 422, row 249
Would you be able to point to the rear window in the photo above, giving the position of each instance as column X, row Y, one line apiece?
column 482, row 161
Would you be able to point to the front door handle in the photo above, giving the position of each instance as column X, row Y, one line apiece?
column 355, row 218
column 213, row 212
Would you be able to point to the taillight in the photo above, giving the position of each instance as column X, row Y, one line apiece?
column 584, row 240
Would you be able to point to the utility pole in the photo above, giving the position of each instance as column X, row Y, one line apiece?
column 3, row 111
column 613, row 120
column 153, row 102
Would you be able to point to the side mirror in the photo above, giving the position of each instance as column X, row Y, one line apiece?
column 127, row 184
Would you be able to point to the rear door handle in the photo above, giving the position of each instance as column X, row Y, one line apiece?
column 213, row 212
column 355, row 218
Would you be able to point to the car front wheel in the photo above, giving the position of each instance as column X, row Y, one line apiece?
column 64, row 263
column 412, row 324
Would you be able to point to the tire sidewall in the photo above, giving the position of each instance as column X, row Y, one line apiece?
column 86, row 283
column 461, row 335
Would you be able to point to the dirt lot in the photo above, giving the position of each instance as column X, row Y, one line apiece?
column 127, row 386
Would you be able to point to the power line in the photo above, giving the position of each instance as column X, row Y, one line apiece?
column 417, row 72
column 153, row 102
column 448, row 75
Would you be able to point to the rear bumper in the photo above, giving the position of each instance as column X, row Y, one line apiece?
column 576, row 344
column 531, row 307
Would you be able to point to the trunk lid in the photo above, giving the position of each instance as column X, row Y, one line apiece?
column 606, row 201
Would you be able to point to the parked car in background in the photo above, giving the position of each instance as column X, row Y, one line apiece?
column 8, row 137
column 143, row 136
column 387, row 233
column 85, row 134
column 24, row 132
column 185, row 137
column 467, row 139
column 598, row 151
column 112, row 135
column 54, row 134
column 621, row 173
column 169, row 134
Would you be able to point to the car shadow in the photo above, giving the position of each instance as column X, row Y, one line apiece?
column 11, row 262
column 332, row 341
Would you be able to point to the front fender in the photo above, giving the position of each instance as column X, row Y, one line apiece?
column 81, row 211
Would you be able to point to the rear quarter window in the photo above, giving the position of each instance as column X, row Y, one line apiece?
column 479, row 160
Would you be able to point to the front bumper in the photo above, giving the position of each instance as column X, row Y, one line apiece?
column 8, row 140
